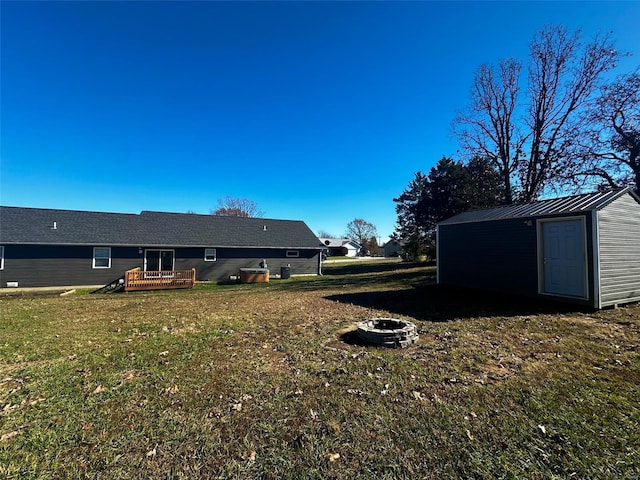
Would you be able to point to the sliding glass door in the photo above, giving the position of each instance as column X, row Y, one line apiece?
column 158, row 260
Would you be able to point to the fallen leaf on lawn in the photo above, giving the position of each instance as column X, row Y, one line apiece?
column 314, row 414
column 87, row 426
column 173, row 389
column 99, row 389
column 417, row 395
column 9, row 435
column 236, row 406
column 249, row 456
column 36, row 400
column 163, row 354
column 333, row 457
column 354, row 391
column 542, row 429
column 152, row 453
column 469, row 434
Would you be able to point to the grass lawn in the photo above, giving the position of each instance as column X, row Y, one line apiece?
column 266, row 381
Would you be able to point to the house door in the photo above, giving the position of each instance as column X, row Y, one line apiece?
column 564, row 258
column 155, row 260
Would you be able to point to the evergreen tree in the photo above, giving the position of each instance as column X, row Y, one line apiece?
column 450, row 188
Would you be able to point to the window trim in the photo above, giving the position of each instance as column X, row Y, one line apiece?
column 215, row 255
column 108, row 249
column 292, row 254
column 1, row 257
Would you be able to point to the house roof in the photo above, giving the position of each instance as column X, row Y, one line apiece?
column 554, row 206
column 338, row 242
column 72, row 227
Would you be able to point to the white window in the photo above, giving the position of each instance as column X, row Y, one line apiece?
column 101, row 257
column 1, row 258
column 293, row 254
column 209, row 254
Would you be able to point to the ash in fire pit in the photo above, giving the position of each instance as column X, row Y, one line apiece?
column 388, row 332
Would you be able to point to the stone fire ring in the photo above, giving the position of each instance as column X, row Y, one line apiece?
column 388, row 332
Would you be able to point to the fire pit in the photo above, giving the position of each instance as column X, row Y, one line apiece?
column 388, row 332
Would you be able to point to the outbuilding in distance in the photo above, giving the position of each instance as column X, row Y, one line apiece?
column 583, row 249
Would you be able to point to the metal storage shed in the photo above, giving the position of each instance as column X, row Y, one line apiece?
column 583, row 249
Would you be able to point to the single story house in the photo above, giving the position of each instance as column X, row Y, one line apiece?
column 393, row 248
column 45, row 247
column 583, row 249
column 340, row 247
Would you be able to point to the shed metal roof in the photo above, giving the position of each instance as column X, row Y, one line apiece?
column 554, row 206
column 20, row 225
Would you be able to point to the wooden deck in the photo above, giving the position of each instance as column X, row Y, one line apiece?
column 137, row 279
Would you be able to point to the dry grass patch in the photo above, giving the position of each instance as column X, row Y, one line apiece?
column 265, row 381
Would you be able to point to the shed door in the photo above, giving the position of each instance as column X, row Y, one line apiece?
column 564, row 258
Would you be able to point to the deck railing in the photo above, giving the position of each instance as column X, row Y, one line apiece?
column 138, row 279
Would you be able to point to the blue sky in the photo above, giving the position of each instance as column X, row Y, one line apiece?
column 321, row 112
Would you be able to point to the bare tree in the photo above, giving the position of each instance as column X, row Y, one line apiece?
column 529, row 140
column 237, row 207
column 561, row 81
column 488, row 128
column 361, row 231
column 325, row 234
column 610, row 146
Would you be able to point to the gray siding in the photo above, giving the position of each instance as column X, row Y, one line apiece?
column 619, row 251
column 230, row 261
column 391, row 248
column 498, row 255
column 49, row 265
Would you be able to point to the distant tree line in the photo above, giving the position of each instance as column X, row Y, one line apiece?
column 569, row 128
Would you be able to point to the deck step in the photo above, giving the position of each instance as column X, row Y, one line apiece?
column 114, row 286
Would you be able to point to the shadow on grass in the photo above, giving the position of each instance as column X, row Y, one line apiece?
column 351, row 338
column 367, row 267
column 438, row 303
column 380, row 279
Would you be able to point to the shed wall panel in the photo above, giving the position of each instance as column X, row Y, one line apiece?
column 619, row 251
column 498, row 255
